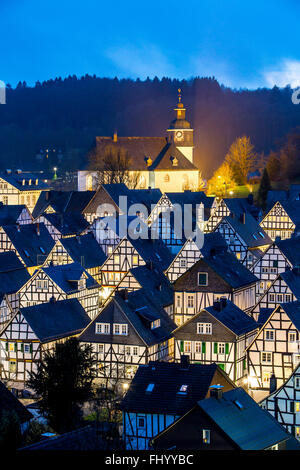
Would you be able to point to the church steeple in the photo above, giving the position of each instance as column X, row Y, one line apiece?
column 180, row 132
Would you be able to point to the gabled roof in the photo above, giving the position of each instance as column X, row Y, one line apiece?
column 292, row 309
column 13, row 274
column 33, row 242
column 153, row 280
column 250, row 231
column 244, row 421
column 263, row 316
column 16, row 179
column 290, row 247
column 56, row 319
column 191, row 197
column 292, row 278
column 148, row 197
column 9, row 214
column 140, row 311
column 69, row 223
column 237, row 206
column 64, row 276
column 85, row 250
column 153, row 250
column 9, row 403
column 235, row 319
column 138, row 148
column 62, row 201
column 292, row 208
column 164, row 160
column 167, row 378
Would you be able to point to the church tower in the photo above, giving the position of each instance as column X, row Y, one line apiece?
column 180, row 132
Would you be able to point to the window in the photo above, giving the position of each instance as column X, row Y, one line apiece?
column 166, row 178
column 100, row 348
column 206, row 436
column 117, row 259
column 178, row 300
column 135, row 351
column 102, row 328
column 198, row 347
column 202, row 279
column 221, row 348
column 128, row 351
column 292, row 337
column 190, row 301
column 287, row 297
column 141, row 422
column 135, row 259
column 182, row 263
column 155, row 324
column 12, row 366
column 187, row 346
column 109, row 249
column 183, row 390
column 297, row 382
column 120, row 329
column 272, row 297
column 150, row 388
column 204, row 328
column 279, row 298
column 297, row 431
column 269, row 335
column 27, row 348
column 266, row 357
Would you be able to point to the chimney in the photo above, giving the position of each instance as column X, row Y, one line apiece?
column 217, row 305
column 184, row 362
column 115, row 137
column 18, row 226
column 47, row 194
column 223, row 302
column 124, row 294
column 273, row 383
column 38, row 229
column 243, row 218
column 216, row 391
column 150, row 265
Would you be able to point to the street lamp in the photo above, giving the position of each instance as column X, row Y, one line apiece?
column 55, row 175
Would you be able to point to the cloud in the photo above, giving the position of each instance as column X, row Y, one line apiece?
column 144, row 61
column 286, row 73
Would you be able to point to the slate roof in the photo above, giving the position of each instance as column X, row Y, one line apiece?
column 248, row 229
column 213, row 242
column 292, row 309
column 264, row 314
column 292, row 279
column 13, row 274
column 238, row 206
column 84, row 250
column 151, row 278
column 8, row 402
column 138, row 148
column 148, row 197
column 69, row 223
column 290, row 247
column 56, row 319
column 153, row 250
column 16, row 180
column 233, row 318
column 292, row 208
column 9, row 214
column 62, row 201
column 248, row 425
column 64, row 274
column 275, row 196
column 140, row 312
column 32, row 247
column 227, row 266
column 191, row 197
column 167, row 378
column 164, row 160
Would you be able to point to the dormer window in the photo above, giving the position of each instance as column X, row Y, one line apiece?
column 155, row 324
column 23, row 182
column 150, row 388
column 42, row 250
column 81, row 284
column 26, row 253
column 202, row 279
column 183, row 390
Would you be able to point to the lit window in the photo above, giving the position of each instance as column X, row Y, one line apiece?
column 206, row 436
column 183, row 390
column 109, row 249
column 150, row 388
column 135, row 259
column 155, row 324
column 187, row 346
column 117, row 259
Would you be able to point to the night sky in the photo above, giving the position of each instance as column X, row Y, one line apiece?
column 243, row 44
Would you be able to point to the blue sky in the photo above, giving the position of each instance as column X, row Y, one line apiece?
column 241, row 43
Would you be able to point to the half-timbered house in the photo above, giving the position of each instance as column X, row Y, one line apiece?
column 34, row 330
column 284, row 403
column 14, row 214
column 216, row 274
column 9, row 403
column 275, row 349
column 130, row 330
column 230, row 206
column 225, row 421
column 17, row 187
column 244, row 236
column 282, row 220
column 280, row 256
column 32, row 243
column 218, row 334
column 62, row 202
column 66, row 281
column 162, row 392
column 285, row 288
column 65, row 224
column 82, row 249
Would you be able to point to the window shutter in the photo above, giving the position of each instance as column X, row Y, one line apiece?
column 6, row 346
column 216, row 348
column 22, row 347
column 244, row 364
column 16, row 347
column 292, row 407
column 203, row 347
column 226, row 348
column 181, row 346
column 31, row 347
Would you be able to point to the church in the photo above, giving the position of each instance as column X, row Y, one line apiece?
column 166, row 162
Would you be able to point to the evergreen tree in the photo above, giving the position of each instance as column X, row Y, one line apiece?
column 263, row 189
column 10, row 431
column 64, row 382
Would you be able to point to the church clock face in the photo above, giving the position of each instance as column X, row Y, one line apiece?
column 179, row 135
